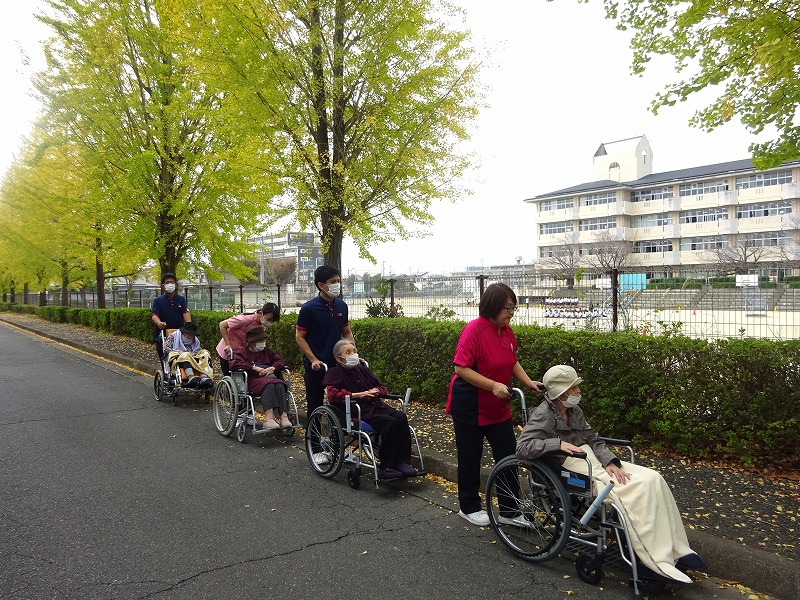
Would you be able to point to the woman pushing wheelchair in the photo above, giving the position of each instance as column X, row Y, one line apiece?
column 656, row 530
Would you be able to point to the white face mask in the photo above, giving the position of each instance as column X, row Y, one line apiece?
column 334, row 289
column 266, row 323
column 169, row 287
column 260, row 346
column 351, row 360
column 572, row 401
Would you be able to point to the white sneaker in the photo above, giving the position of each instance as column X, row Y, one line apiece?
column 479, row 518
column 322, row 458
column 518, row 521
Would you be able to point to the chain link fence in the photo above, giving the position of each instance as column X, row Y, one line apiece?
column 703, row 306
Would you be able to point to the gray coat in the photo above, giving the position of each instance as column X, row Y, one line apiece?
column 546, row 428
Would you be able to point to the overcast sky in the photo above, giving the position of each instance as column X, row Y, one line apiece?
column 560, row 85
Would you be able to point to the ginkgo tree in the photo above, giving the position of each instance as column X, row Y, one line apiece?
column 356, row 108
column 746, row 51
column 43, row 232
column 120, row 82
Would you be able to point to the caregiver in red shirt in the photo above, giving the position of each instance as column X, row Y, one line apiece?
column 478, row 401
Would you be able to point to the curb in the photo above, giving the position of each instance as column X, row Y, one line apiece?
column 757, row 569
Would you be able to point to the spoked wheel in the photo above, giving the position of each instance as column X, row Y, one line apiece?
column 226, row 406
column 241, row 432
column 324, row 442
column 587, row 572
column 528, row 508
column 158, row 386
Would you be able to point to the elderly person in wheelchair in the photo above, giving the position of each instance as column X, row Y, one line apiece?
column 263, row 366
column 656, row 530
column 351, row 377
column 185, row 356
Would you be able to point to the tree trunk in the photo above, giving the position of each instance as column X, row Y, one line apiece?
column 64, row 288
column 333, row 255
column 101, row 283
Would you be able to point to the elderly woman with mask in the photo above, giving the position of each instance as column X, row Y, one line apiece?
column 233, row 331
column 262, row 366
column 655, row 526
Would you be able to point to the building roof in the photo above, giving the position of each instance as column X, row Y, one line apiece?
column 618, row 146
column 716, row 170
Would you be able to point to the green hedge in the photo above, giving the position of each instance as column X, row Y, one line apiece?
column 735, row 397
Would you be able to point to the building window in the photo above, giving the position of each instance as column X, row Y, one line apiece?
column 649, row 246
column 553, row 251
column 703, row 187
column 703, row 215
column 766, row 238
column 757, row 180
column 595, row 224
column 556, row 204
column 551, row 228
column 651, row 194
column 764, row 209
column 595, row 199
column 708, row 242
column 657, row 220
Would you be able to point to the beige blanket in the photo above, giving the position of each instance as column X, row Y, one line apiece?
column 200, row 361
column 655, row 528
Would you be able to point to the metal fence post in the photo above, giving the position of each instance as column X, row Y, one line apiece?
column 241, row 299
column 614, row 299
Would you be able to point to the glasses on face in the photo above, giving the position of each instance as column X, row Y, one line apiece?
column 510, row 309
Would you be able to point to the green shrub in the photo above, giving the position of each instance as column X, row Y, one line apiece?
column 734, row 397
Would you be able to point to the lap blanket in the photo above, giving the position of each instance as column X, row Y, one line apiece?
column 200, row 361
column 655, row 528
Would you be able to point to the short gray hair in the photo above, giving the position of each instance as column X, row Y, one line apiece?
column 338, row 348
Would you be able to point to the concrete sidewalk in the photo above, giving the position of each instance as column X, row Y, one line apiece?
column 755, row 568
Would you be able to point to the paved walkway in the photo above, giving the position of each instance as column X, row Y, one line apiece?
column 742, row 523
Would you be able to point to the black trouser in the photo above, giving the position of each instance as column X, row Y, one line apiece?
column 469, row 447
column 392, row 425
column 315, row 391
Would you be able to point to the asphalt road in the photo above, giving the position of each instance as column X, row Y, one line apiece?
column 105, row 493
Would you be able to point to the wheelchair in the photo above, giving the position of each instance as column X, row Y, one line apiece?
column 538, row 508
column 169, row 380
column 356, row 444
column 234, row 407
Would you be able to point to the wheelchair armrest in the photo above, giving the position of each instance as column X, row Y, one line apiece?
column 622, row 444
column 404, row 400
column 565, row 454
column 615, row 441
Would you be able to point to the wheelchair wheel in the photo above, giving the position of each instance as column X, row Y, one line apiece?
column 158, row 386
column 536, row 522
column 241, row 433
column 324, row 442
column 354, row 478
column 226, row 406
column 587, row 573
